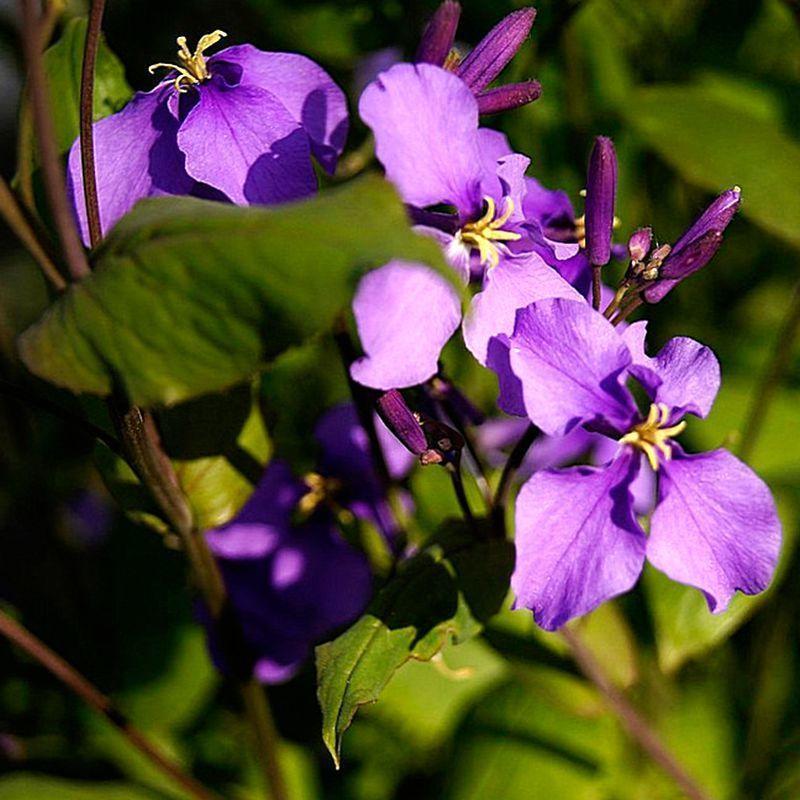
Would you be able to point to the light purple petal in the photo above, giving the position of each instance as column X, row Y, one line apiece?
column 513, row 284
column 136, row 156
column 570, row 361
column 244, row 142
column 425, row 122
column 309, row 94
column 458, row 255
column 715, row 526
column 578, row 543
column 509, row 398
column 399, row 461
column 643, row 486
column 405, row 314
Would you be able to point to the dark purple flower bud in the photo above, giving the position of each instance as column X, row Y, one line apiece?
column 681, row 264
column 400, row 420
column 508, row 97
column 716, row 217
column 601, row 191
column 439, row 35
column 639, row 244
column 496, row 49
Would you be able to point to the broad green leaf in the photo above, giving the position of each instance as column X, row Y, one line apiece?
column 38, row 787
column 190, row 297
column 62, row 64
column 444, row 593
column 716, row 145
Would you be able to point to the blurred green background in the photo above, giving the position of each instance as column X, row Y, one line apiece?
column 698, row 95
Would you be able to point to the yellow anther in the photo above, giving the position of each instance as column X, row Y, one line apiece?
column 652, row 437
column 192, row 69
column 483, row 233
column 320, row 490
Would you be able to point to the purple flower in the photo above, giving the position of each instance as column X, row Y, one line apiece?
column 425, row 122
column 486, row 61
column 291, row 577
column 579, row 543
column 241, row 126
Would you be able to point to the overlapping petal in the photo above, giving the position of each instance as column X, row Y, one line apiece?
column 242, row 141
column 570, row 361
column 405, row 313
column 425, row 122
column 715, row 526
column 578, row 543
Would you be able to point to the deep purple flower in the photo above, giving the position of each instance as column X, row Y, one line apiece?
column 579, row 543
column 291, row 577
column 425, row 122
column 601, row 193
column 241, row 125
column 486, row 61
column 695, row 248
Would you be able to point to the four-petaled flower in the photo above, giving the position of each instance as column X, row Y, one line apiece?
column 241, row 125
column 578, row 540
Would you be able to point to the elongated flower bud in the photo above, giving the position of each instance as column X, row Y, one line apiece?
column 508, row 97
column 400, row 420
column 639, row 244
column 438, row 37
column 601, row 192
column 496, row 49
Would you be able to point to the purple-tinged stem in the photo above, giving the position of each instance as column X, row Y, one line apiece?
column 95, row 699
column 771, row 377
column 55, row 185
column 513, row 463
column 636, row 726
column 87, row 121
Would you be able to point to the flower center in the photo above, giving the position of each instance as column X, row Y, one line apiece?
column 192, row 69
column 652, row 437
column 320, row 490
column 482, row 234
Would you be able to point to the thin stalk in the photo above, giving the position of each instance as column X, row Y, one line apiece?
column 458, row 488
column 596, row 286
column 627, row 310
column 771, row 377
column 257, row 705
column 615, row 303
column 513, row 463
column 87, row 121
column 23, row 229
column 636, row 726
column 95, row 699
column 27, row 399
column 54, row 182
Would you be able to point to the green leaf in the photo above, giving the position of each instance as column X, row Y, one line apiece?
column 190, row 297
column 446, row 592
column 62, row 64
column 39, row 787
column 716, row 145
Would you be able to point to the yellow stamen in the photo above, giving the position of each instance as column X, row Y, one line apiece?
column 651, row 437
column 483, row 233
column 192, row 69
column 320, row 490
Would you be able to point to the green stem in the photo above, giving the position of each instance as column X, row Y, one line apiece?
column 771, row 377
column 94, row 698
column 596, row 286
column 513, row 464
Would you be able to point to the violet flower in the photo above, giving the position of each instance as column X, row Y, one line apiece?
column 291, row 577
column 486, row 61
column 240, row 125
column 425, row 122
column 579, row 543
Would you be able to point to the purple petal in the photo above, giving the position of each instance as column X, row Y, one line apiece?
column 245, row 143
column 264, row 520
column 498, row 359
column 508, row 97
column 601, row 192
column 308, row 93
column 578, row 542
column 405, row 314
column 136, row 156
column 373, row 64
column 715, row 526
column 639, row 244
column 690, row 376
column 551, row 208
column 643, row 486
column 399, row 461
column 513, row 284
column 496, row 49
column 439, row 34
column 425, row 123
column 570, row 361
column 716, row 217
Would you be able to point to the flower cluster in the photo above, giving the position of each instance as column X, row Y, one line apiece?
column 242, row 126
